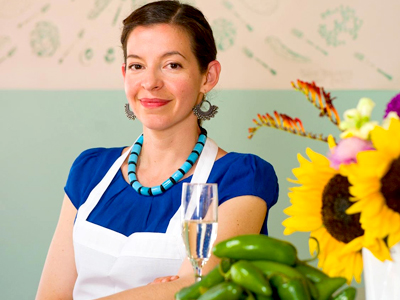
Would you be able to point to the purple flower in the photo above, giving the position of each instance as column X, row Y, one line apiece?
column 346, row 151
column 393, row 105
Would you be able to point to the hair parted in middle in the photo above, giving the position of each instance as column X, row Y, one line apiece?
column 185, row 16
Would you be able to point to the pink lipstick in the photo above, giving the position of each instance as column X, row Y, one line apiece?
column 153, row 102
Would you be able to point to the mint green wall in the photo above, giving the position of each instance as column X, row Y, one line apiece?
column 42, row 132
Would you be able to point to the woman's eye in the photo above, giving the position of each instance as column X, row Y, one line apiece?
column 135, row 67
column 174, row 65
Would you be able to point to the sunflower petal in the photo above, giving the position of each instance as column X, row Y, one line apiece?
column 393, row 239
column 383, row 139
column 303, row 223
column 358, row 267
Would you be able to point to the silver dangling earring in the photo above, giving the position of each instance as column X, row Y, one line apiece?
column 205, row 115
column 129, row 114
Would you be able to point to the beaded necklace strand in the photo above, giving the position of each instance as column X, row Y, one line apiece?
column 159, row 189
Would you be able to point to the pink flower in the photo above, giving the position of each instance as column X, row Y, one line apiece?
column 346, row 151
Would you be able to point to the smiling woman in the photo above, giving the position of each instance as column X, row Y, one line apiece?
column 119, row 228
column 163, row 80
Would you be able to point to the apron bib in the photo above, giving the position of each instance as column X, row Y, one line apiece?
column 109, row 262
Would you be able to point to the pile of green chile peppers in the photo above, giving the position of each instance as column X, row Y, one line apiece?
column 258, row 267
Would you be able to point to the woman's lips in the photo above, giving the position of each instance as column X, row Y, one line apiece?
column 153, row 102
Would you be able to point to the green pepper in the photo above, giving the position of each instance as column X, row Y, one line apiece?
column 268, row 268
column 247, row 295
column 289, row 288
column 314, row 274
column 312, row 289
column 262, row 297
column 257, row 247
column 223, row 291
column 326, row 287
column 212, row 278
column 248, row 276
column 348, row 293
column 271, row 267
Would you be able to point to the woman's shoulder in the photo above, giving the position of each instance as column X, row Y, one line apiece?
column 244, row 161
column 244, row 169
column 95, row 161
column 94, row 155
column 239, row 174
column 87, row 170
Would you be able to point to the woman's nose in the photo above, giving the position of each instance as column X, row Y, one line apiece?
column 152, row 80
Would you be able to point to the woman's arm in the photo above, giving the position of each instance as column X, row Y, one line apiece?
column 240, row 215
column 59, row 272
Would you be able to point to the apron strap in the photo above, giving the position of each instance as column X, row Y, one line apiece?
column 95, row 195
column 201, row 174
column 206, row 162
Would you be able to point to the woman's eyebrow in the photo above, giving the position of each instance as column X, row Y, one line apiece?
column 166, row 54
column 170, row 53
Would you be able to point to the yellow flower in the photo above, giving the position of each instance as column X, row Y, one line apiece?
column 375, row 180
column 318, row 206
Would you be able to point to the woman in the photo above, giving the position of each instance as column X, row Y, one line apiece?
column 119, row 228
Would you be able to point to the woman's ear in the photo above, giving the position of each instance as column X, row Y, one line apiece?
column 212, row 75
column 123, row 68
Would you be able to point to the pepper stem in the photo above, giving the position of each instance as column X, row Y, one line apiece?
column 315, row 255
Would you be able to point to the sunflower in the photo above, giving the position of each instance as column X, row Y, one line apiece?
column 318, row 206
column 375, row 180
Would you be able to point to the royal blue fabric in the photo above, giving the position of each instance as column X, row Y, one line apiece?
column 123, row 210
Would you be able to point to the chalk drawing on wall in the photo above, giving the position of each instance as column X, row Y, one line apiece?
column 86, row 56
column 11, row 9
column 228, row 5
column 361, row 57
column 7, row 49
column 251, row 55
column 327, row 76
column 35, row 15
column 110, row 55
column 342, row 46
column 98, row 7
column 299, row 34
column 45, row 39
column 138, row 3
column 224, row 33
column 341, row 24
column 77, row 39
column 264, row 7
column 284, row 51
column 93, row 52
column 118, row 12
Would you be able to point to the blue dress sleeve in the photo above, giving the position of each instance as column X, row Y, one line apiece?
column 86, row 172
column 249, row 175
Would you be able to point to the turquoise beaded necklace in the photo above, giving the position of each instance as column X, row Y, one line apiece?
column 159, row 189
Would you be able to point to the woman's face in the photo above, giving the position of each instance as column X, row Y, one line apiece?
column 162, row 77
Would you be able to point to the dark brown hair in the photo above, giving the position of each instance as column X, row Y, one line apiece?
column 186, row 16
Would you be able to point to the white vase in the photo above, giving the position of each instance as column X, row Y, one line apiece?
column 382, row 279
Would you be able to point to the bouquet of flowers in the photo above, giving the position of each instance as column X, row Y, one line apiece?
column 348, row 199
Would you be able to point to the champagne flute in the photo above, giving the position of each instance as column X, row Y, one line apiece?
column 199, row 222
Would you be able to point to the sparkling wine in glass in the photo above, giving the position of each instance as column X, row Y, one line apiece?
column 199, row 222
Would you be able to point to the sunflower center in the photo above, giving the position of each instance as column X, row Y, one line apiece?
column 335, row 201
column 390, row 186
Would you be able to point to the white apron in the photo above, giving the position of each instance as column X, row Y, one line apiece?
column 108, row 262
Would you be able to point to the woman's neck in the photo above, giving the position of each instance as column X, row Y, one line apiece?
column 163, row 152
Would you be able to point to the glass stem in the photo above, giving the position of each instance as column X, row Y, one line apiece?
column 197, row 274
column 197, row 267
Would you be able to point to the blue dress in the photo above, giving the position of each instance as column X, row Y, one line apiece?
column 125, row 211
